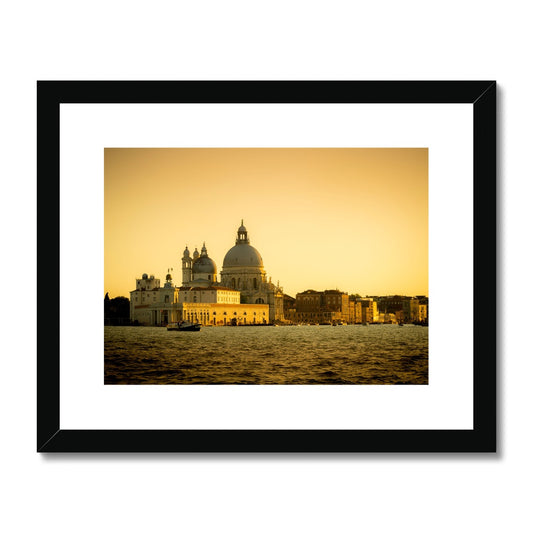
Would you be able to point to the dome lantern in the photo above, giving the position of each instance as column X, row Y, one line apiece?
column 242, row 235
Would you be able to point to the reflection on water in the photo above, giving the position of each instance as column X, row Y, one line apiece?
column 353, row 354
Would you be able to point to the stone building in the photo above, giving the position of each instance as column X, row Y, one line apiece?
column 323, row 307
column 406, row 309
column 243, row 270
column 242, row 297
column 410, row 309
column 367, row 310
column 152, row 304
column 212, row 305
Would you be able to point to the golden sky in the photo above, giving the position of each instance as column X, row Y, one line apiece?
column 355, row 219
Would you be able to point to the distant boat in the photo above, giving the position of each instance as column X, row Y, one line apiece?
column 184, row 326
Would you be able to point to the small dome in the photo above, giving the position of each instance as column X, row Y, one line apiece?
column 186, row 252
column 145, row 276
column 204, row 265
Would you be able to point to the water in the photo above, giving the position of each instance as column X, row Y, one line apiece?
column 353, row 354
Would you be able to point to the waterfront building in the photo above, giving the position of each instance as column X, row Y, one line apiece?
column 368, row 311
column 390, row 304
column 410, row 309
column 224, row 314
column 288, row 303
column 351, row 311
column 322, row 307
column 242, row 297
column 405, row 308
column 152, row 304
column 422, row 313
column 243, row 270
column 387, row 318
column 213, row 305
column 358, row 312
column 423, row 309
column 289, row 308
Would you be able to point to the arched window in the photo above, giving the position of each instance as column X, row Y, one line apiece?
column 260, row 301
column 255, row 283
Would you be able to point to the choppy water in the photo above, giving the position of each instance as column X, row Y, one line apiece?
column 353, row 354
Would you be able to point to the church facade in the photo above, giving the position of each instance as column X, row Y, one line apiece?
column 243, row 270
column 243, row 296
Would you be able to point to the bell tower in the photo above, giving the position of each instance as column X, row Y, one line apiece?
column 186, row 266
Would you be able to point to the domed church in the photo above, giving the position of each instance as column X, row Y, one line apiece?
column 242, row 270
column 242, row 297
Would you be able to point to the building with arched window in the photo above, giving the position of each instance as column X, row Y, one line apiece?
column 243, row 270
column 244, row 296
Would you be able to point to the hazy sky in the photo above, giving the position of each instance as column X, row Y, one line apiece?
column 321, row 218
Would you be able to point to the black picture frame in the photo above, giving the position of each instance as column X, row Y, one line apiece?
column 50, row 436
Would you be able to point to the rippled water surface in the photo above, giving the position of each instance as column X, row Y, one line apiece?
column 353, row 354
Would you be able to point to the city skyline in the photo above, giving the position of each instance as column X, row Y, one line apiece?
column 353, row 219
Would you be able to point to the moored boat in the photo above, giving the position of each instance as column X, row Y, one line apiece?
column 183, row 326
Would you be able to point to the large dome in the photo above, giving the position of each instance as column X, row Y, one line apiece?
column 243, row 255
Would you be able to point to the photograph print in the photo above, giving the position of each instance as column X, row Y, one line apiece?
column 266, row 266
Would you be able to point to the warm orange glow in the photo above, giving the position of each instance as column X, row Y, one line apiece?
column 347, row 218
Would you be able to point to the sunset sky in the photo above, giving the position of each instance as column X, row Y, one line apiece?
column 321, row 218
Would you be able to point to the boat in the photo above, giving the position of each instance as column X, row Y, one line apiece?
column 184, row 326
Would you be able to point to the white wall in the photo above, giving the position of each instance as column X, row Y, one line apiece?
column 276, row 40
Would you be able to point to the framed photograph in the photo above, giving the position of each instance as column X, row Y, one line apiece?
column 266, row 266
